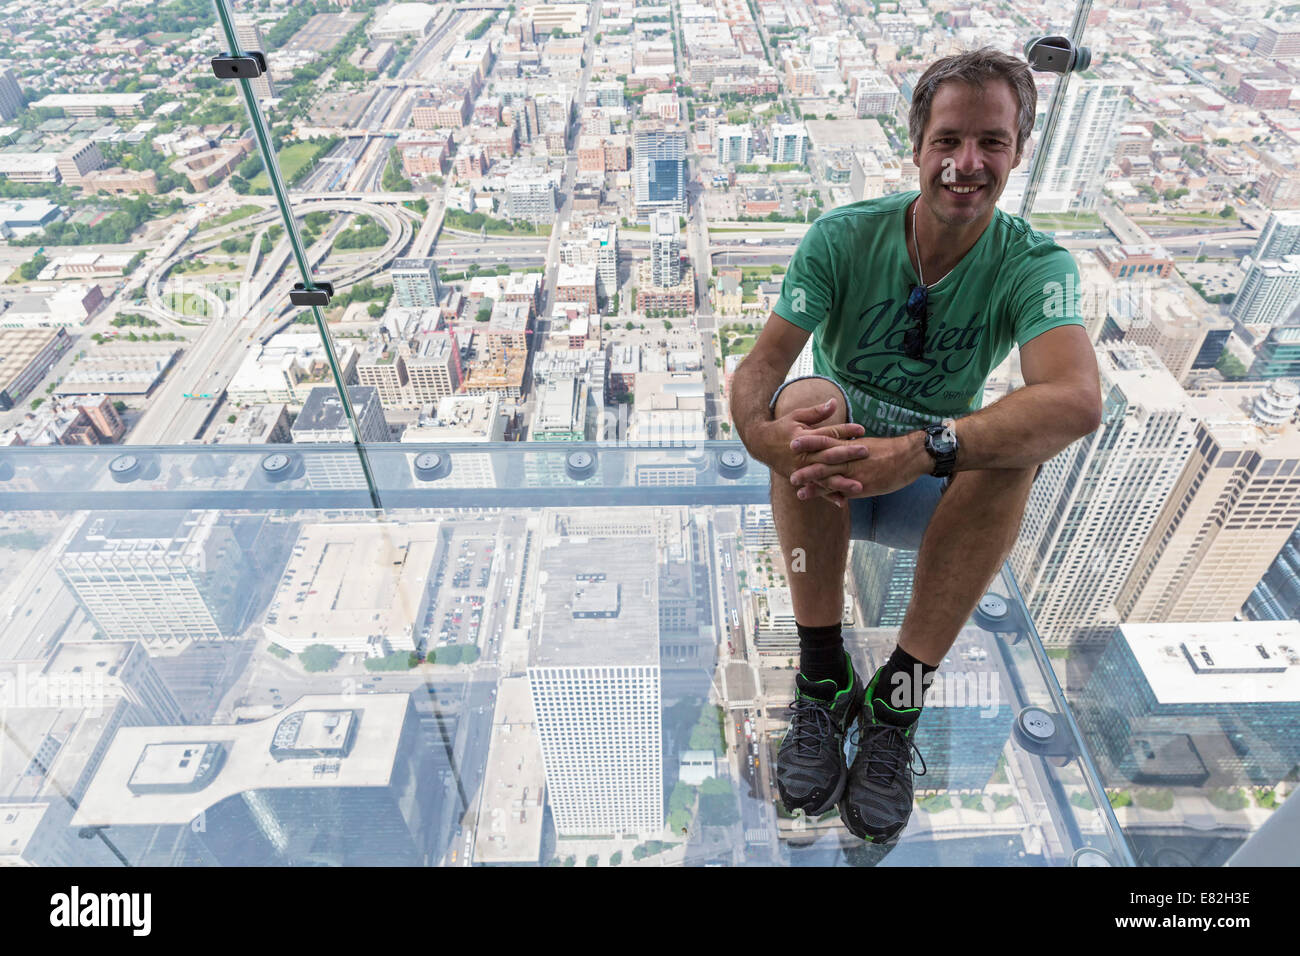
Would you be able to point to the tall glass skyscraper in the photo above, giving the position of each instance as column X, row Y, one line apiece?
column 595, row 680
column 659, row 167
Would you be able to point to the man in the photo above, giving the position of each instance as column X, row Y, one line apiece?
column 914, row 299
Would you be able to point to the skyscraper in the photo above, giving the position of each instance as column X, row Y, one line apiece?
column 415, row 283
column 659, row 166
column 158, row 576
column 595, row 680
column 735, row 144
column 1084, row 143
column 249, row 36
column 665, row 249
column 1095, row 505
column 1269, row 291
column 1231, row 511
column 328, row 781
column 1280, row 237
column 789, row 142
column 11, row 95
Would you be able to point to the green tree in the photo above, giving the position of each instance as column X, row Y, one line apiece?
column 616, row 858
column 593, row 860
column 319, row 657
column 231, row 419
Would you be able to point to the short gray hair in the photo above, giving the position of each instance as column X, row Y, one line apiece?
column 976, row 67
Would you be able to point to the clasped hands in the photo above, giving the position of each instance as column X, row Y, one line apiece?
column 837, row 462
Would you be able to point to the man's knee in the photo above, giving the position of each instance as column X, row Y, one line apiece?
column 812, row 391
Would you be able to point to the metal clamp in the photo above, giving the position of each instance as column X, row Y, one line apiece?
column 320, row 295
column 246, row 66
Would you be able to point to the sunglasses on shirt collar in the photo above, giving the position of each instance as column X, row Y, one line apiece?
column 914, row 338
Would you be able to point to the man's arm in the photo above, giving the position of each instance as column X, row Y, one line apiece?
column 751, row 391
column 1060, row 403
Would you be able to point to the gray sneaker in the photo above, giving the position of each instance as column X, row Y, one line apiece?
column 811, row 772
column 878, row 798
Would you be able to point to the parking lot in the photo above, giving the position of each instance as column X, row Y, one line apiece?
column 456, row 617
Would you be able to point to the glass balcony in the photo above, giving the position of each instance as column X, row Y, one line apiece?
column 241, row 625
column 534, row 652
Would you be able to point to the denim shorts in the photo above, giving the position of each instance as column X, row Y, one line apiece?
column 898, row 519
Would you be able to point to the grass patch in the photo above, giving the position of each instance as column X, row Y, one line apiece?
column 1228, row 799
column 398, row 661
column 240, row 212
column 1067, row 221
column 292, row 159
column 1083, row 801
column 283, row 653
column 1155, row 799
column 187, row 304
column 1120, row 798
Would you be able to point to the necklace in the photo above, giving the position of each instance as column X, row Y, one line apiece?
column 916, row 245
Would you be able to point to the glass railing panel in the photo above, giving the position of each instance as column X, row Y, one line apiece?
column 257, row 676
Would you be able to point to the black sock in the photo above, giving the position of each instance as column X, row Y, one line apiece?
column 897, row 684
column 821, row 654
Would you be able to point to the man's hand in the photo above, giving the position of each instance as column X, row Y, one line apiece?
column 775, row 439
column 859, row 468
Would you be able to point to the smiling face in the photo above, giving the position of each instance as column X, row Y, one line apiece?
column 969, row 141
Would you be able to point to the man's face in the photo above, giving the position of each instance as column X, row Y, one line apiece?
column 970, row 140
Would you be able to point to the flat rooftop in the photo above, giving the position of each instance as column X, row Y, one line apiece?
column 1231, row 662
column 355, row 580
column 153, row 755
column 631, row 636
column 509, row 826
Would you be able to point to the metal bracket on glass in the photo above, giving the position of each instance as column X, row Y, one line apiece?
column 430, row 466
column 248, row 65
column 125, row 469
column 1057, row 55
column 320, row 295
column 1044, row 734
column 1001, row 616
column 282, row 466
column 732, row 464
column 580, row 465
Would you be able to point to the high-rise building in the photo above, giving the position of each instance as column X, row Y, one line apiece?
column 735, row 144
column 415, row 283
column 1277, row 596
column 11, row 95
column 1279, row 40
column 1090, row 119
column 530, row 198
column 599, row 248
column 1200, row 704
column 789, row 142
column 1269, row 291
column 1279, row 354
column 328, row 781
column 323, row 419
column 595, row 679
column 1280, row 237
column 665, row 249
column 1231, row 511
column 1095, row 504
column 249, row 35
column 158, row 576
column 659, row 167
column 874, row 93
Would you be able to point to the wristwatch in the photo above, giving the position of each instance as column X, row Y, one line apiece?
column 941, row 443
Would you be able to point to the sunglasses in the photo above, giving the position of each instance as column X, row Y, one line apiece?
column 914, row 339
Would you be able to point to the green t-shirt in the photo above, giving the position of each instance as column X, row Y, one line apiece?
column 848, row 283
